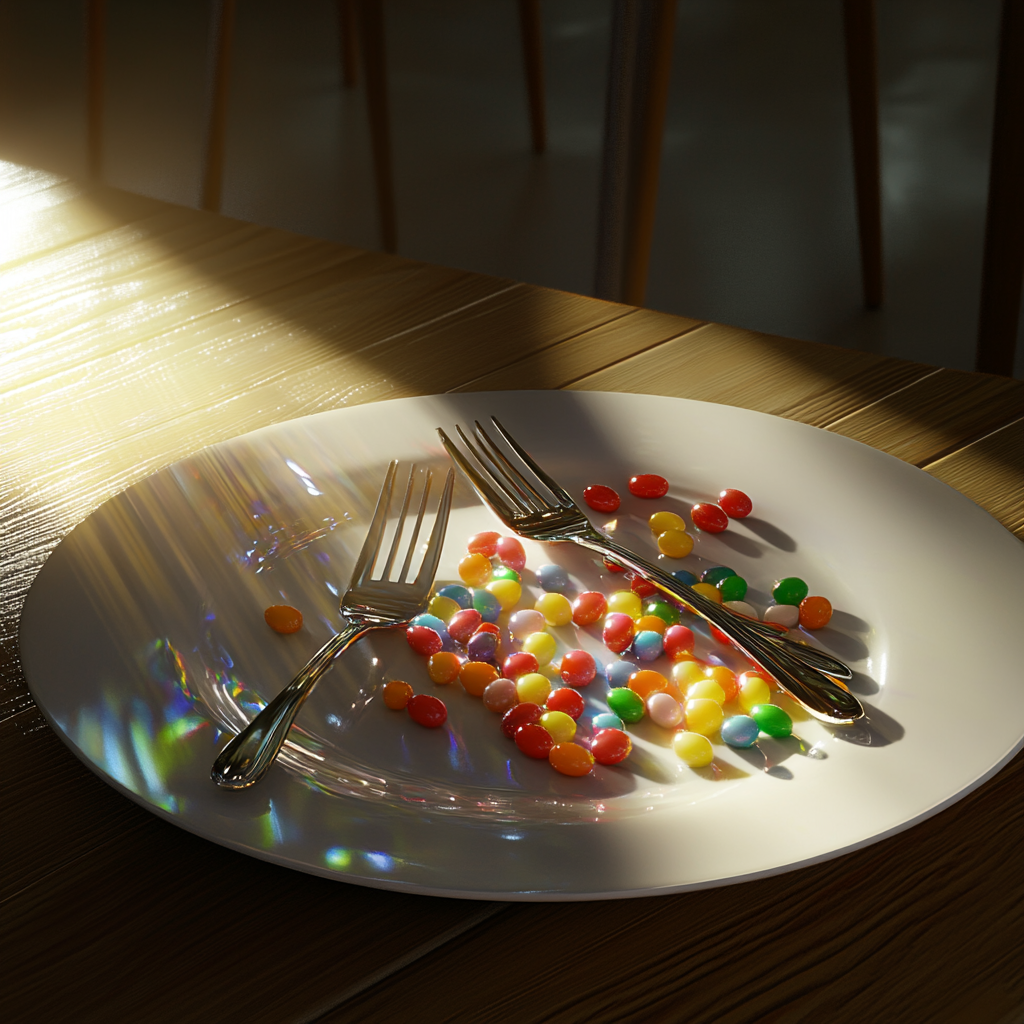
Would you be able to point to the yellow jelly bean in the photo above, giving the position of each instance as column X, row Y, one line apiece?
column 475, row 570
column 443, row 607
column 652, row 623
column 704, row 715
column 561, row 727
column 726, row 679
column 542, row 646
column 693, row 749
column 753, row 691
column 710, row 592
column 675, row 543
column 662, row 521
column 533, row 688
column 626, row 602
column 507, row 592
column 556, row 609
column 706, row 688
column 686, row 672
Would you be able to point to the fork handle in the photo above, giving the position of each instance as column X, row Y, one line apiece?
column 245, row 760
column 824, row 697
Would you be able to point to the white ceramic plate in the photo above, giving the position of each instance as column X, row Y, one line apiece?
column 143, row 637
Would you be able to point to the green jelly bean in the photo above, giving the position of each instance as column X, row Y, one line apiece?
column 772, row 720
column 733, row 588
column 626, row 704
column 668, row 613
column 503, row 572
column 790, row 590
column 716, row 574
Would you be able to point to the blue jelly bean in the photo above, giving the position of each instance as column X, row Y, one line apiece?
column 685, row 576
column 648, row 645
column 553, row 579
column 606, row 720
column 460, row 595
column 618, row 672
column 448, row 642
column 426, row 619
column 482, row 647
column 740, row 731
column 487, row 605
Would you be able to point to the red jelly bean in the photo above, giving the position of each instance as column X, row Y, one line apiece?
column 618, row 632
column 423, row 640
column 511, row 553
column 526, row 713
column 735, row 504
column 612, row 566
column 601, row 498
column 519, row 664
column 578, row 668
column 641, row 587
column 610, row 746
column 566, row 700
column 588, row 607
column 721, row 637
column 534, row 740
column 427, row 711
column 709, row 518
column 483, row 544
column 463, row 624
column 648, row 485
column 487, row 627
column 678, row 640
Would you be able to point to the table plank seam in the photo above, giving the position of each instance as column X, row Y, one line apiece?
column 878, row 401
column 960, row 445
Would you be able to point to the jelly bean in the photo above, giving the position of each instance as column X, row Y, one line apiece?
column 525, row 622
column 651, row 623
column 641, row 587
column 647, row 645
column 430, row 621
column 668, row 613
column 685, row 673
column 789, row 590
column 719, row 636
column 578, row 668
column 709, row 518
column 601, row 498
column 476, row 675
column 707, row 590
column 553, row 578
column 488, row 627
column 735, row 504
column 664, row 710
column 646, row 681
column 542, row 646
column 726, row 679
column 499, row 695
column 678, row 640
column 463, row 624
column 561, row 726
column 783, row 614
column 740, row 731
column 618, row 632
column 753, row 690
column 703, row 715
column 423, row 640
column 648, row 485
column 474, row 570
column 397, row 694
column 772, row 720
column 521, row 714
column 741, row 608
column 566, row 700
column 533, row 688
column 606, row 720
column 611, row 745
column 503, row 572
column 662, row 521
column 685, row 576
column 571, row 759
column 487, row 605
column 588, row 608
column 618, row 672
column 556, row 609
column 626, row 703
column 460, row 595
column 675, row 543
column 534, row 740
column 444, row 667
column 483, row 544
column 715, row 574
column 693, row 749
column 507, row 592
column 442, row 607
column 815, row 612
column 626, row 603
column 283, row 618
column 519, row 664
column 705, row 688
column 511, row 553
column 482, row 647
column 613, row 566
column 427, row 711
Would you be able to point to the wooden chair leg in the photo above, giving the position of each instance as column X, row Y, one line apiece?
column 371, row 25
column 862, row 81
column 348, row 43
column 96, row 18
column 222, row 38
column 640, row 67
column 1003, row 262
column 533, row 66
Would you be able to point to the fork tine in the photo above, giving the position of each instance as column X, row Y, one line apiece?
column 371, row 546
column 497, row 478
column 425, row 577
column 386, row 572
column 416, row 528
column 563, row 496
column 487, row 493
column 509, row 473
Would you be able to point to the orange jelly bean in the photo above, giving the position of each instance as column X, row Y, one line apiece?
column 815, row 612
column 283, row 618
column 571, row 759
column 646, row 681
column 397, row 694
column 651, row 622
column 444, row 667
column 726, row 679
column 476, row 676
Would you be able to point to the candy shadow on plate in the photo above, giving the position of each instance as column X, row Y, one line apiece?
column 759, row 760
column 848, row 623
column 641, row 763
column 770, row 534
column 739, row 543
column 721, row 771
column 875, row 729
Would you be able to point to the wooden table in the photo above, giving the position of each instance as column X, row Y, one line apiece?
column 135, row 333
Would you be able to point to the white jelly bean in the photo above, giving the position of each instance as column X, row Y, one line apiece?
column 787, row 615
column 525, row 622
column 741, row 608
column 664, row 710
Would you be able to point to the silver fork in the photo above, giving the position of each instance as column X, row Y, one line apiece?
column 368, row 604
column 519, row 500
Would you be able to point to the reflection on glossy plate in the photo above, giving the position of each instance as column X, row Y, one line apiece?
column 143, row 641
